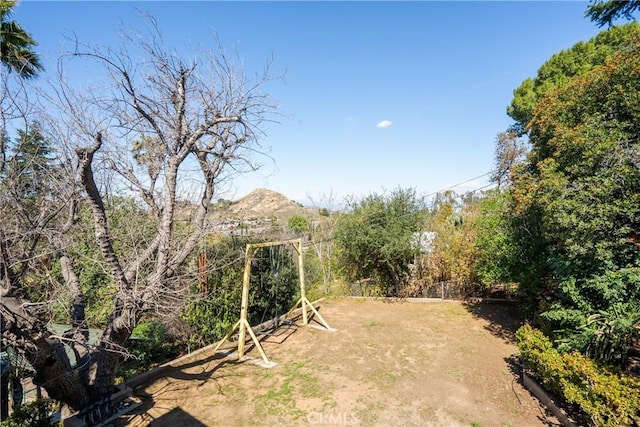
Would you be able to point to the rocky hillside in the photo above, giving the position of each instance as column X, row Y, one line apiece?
column 261, row 204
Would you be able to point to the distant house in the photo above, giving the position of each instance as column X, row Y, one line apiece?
column 424, row 241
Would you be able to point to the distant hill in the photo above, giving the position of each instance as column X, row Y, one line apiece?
column 260, row 204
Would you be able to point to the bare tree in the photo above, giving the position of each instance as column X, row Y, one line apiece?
column 321, row 235
column 14, row 107
column 162, row 127
column 510, row 150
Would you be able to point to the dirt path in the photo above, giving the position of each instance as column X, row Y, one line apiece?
column 388, row 364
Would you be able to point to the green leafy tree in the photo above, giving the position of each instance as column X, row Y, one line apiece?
column 376, row 238
column 494, row 239
column 298, row 224
column 31, row 165
column 604, row 12
column 562, row 67
column 577, row 197
column 16, row 45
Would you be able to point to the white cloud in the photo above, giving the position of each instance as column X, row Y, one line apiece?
column 384, row 124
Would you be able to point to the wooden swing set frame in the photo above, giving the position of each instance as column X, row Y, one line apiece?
column 243, row 324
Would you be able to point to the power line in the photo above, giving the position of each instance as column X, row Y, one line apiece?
column 459, row 184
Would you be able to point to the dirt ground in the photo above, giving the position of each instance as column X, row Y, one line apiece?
column 388, row 364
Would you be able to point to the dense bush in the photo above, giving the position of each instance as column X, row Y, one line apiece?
column 376, row 238
column 494, row 239
column 32, row 414
column 451, row 255
column 468, row 242
column 606, row 397
column 273, row 290
column 149, row 345
column 211, row 311
column 298, row 224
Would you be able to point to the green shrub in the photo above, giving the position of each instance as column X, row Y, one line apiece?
column 149, row 346
column 32, row 414
column 298, row 224
column 606, row 397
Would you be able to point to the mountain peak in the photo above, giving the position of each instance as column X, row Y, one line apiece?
column 262, row 202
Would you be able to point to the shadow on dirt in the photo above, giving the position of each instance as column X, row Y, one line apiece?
column 176, row 417
column 194, row 372
column 504, row 318
column 188, row 371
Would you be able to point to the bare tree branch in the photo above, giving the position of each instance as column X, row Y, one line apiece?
column 160, row 127
column 103, row 237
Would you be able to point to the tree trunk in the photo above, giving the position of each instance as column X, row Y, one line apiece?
column 107, row 359
column 45, row 352
column 77, row 383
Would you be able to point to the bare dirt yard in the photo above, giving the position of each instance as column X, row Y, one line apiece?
column 388, row 364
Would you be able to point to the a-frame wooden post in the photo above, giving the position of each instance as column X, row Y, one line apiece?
column 303, row 301
column 243, row 324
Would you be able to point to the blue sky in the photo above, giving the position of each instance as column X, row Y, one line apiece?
column 439, row 75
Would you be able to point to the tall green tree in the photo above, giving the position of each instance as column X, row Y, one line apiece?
column 16, row 45
column 376, row 238
column 31, row 164
column 604, row 12
column 579, row 193
column 562, row 67
column 494, row 238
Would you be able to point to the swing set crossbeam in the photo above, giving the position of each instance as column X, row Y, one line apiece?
column 243, row 325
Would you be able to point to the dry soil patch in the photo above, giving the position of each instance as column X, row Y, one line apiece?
column 388, row 364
